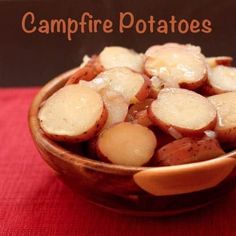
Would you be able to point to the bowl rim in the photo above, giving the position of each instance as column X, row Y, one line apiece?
column 62, row 153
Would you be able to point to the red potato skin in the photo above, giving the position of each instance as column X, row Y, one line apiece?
column 88, row 72
column 208, row 90
column 84, row 136
column 142, row 118
column 185, row 132
column 227, row 135
column 190, row 86
column 153, row 94
column 195, row 85
column 145, row 90
column 188, row 150
column 223, row 60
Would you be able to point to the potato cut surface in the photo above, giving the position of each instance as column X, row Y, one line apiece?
column 225, row 105
column 182, row 63
column 186, row 111
column 222, row 79
column 129, row 84
column 71, row 111
column 114, row 56
column 127, row 144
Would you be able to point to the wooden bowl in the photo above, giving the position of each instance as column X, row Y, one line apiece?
column 145, row 191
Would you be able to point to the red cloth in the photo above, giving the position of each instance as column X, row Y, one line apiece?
column 34, row 202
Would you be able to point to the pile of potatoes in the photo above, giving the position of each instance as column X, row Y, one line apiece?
column 168, row 106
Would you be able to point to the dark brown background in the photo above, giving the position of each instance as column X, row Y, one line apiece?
column 27, row 60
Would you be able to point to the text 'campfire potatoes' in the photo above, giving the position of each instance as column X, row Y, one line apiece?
column 151, row 108
column 127, row 144
column 181, row 63
column 186, row 111
column 73, row 113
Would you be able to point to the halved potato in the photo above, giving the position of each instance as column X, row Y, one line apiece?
column 188, row 150
column 74, row 113
column 183, row 64
column 221, row 79
column 225, row 105
column 126, row 144
column 87, row 71
column 114, row 56
column 134, row 87
column 221, row 60
column 187, row 112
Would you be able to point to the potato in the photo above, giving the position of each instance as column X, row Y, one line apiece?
column 185, row 111
column 225, row 105
column 115, row 56
column 221, row 60
column 221, row 79
column 155, row 48
column 135, row 108
column 188, row 150
column 73, row 114
column 134, row 87
column 157, row 84
column 182, row 179
column 116, row 106
column 138, row 113
column 126, row 144
column 182, row 64
column 88, row 71
column 142, row 118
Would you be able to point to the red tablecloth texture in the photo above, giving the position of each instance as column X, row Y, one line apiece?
column 34, row 202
